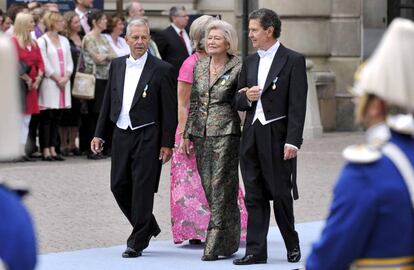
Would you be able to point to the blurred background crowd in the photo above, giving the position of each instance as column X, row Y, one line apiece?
column 52, row 46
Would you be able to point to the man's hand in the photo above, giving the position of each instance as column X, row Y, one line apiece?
column 96, row 145
column 165, row 154
column 290, row 152
column 253, row 93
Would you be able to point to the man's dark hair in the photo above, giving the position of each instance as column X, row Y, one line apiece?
column 14, row 9
column 267, row 18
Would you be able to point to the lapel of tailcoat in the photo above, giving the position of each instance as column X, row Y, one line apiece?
column 121, row 74
column 146, row 75
column 278, row 62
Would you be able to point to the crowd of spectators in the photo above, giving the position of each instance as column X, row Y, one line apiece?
column 51, row 47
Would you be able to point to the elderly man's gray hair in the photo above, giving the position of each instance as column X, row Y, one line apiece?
column 137, row 22
column 175, row 10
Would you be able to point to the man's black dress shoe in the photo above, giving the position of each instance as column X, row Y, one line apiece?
column 131, row 253
column 250, row 259
column 153, row 234
column 209, row 258
column 294, row 255
column 194, row 241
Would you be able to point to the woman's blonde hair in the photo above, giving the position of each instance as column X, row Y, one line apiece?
column 230, row 34
column 51, row 19
column 68, row 17
column 197, row 31
column 22, row 29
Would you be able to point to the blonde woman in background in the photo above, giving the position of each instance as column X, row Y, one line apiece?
column 189, row 207
column 55, row 92
column 28, row 53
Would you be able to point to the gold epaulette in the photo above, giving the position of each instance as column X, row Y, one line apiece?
column 399, row 263
column 362, row 153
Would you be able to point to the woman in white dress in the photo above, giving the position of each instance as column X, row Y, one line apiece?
column 54, row 92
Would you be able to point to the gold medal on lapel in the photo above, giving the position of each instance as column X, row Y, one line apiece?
column 223, row 82
column 144, row 94
column 274, row 83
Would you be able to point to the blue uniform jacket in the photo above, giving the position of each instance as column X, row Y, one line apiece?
column 371, row 219
column 17, row 238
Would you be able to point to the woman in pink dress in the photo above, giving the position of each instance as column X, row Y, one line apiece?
column 190, row 214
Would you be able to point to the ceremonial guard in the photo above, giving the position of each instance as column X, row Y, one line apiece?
column 371, row 221
column 17, row 236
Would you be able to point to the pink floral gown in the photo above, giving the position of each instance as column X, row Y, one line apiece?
column 190, row 213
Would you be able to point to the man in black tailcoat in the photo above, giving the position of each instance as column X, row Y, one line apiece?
column 272, row 91
column 140, row 105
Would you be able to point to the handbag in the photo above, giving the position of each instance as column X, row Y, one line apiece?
column 84, row 83
column 23, row 68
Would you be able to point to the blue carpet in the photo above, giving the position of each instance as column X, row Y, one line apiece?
column 165, row 255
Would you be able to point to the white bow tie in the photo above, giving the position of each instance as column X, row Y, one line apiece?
column 132, row 63
column 263, row 53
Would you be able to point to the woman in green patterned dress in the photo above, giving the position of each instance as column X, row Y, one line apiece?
column 214, row 127
column 96, row 51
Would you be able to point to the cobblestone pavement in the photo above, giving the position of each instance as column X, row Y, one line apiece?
column 73, row 208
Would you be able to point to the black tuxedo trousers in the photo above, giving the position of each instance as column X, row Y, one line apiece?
column 267, row 177
column 134, row 180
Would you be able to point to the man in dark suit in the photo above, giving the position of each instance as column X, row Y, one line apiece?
column 140, row 104
column 272, row 90
column 173, row 42
column 82, row 8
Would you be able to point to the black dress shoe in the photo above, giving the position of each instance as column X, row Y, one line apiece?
column 131, row 253
column 294, row 255
column 250, row 259
column 194, row 241
column 95, row 156
column 209, row 258
column 76, row 152
column 47, row 158
column 153, row 234
column 27, row 158
column 58, row 158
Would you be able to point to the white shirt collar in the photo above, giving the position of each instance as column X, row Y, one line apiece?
column 80, row 13
column 140, row 62
column 270, row 52
column 178, row 30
